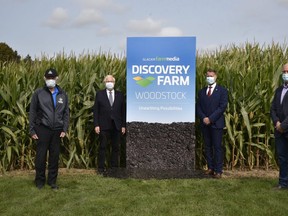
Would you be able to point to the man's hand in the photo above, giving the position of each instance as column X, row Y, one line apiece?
column 35, row 137
column 62, row 134
column 206, row 121
column 97, row 130
column 123, row 130
column 278, row 127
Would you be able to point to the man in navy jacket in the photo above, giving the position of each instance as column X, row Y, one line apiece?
column 211, row 105
column 279, row 115
column 109, row 121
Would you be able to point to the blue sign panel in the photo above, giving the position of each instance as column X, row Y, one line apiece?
column 161, row 79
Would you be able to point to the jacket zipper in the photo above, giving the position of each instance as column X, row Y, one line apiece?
column 53, row 109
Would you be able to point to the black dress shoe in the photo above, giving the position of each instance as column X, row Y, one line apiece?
column 40, row 186
column 54, row 187
column 101, row 171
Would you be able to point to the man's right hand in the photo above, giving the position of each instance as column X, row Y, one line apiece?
column 35, row 137
column 97, row 130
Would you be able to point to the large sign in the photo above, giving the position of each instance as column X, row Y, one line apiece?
column 161, row 79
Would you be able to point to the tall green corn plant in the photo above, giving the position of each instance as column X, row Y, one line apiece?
column 15, row 93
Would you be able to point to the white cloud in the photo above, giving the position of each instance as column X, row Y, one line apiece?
column 170, row 31
column 58, row 18
column 88, row 17
column 146, row 26
column 152, row 27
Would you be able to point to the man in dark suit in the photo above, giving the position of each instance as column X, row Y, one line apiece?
column 211, row 105
column 109, row 121
column 279, row 115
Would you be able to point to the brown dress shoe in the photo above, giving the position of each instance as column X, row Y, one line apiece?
column 280, row 187
column 218, row 175
column 209, row 172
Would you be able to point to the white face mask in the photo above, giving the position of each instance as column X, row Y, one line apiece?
column 285, row 77
column 210, row 80
column 50, row 83
column 109, row 85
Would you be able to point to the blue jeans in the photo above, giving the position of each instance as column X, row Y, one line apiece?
column 282, row 153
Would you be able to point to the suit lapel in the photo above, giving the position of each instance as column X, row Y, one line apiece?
column 206, row 91
column 216, row 89
column 285, row 98
column 115, row 97
column 106, row 97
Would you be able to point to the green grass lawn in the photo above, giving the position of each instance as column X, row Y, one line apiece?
column 90, row 194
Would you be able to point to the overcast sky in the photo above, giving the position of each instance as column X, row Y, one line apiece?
column 38, row 27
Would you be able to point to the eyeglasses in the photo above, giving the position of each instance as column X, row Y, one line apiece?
column 285, row 71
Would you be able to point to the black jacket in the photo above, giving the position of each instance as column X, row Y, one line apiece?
column 104, row 113
column 279, row 112
column 42, row 111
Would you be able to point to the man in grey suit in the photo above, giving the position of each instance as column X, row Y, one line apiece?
column 279, row 115
column 109, row 121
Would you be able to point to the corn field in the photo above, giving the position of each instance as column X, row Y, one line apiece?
column 251, row 73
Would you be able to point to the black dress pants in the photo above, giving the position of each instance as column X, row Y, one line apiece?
column 49, row 141
column 112, row 135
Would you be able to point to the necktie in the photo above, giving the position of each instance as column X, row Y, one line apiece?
column 209, row 91
column 110, row 98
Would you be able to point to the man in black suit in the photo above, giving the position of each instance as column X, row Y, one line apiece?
column 211, row 105
column 279, row 115
column 109, row 121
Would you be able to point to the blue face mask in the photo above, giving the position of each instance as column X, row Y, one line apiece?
column 285, row 77
column 210, row 80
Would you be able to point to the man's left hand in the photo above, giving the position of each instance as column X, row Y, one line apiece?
column 62, row 134
column 206, row 121
column 279, row 128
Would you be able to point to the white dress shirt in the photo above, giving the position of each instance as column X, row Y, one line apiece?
column 212, row 89
column 112, row 92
